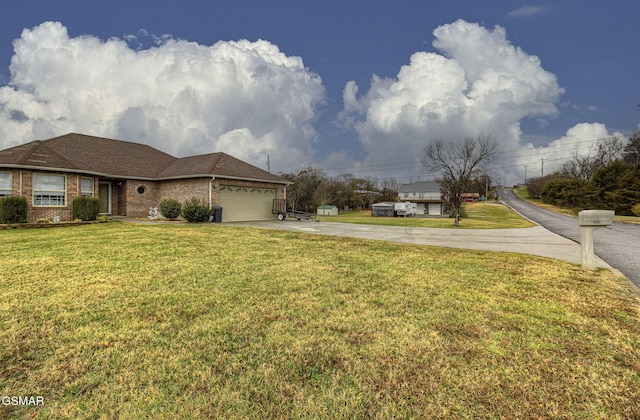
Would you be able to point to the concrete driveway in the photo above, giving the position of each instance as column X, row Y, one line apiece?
column 534, row 241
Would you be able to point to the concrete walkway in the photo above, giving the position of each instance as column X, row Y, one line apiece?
column 533, row 241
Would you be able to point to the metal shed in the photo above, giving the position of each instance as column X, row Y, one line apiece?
column 327, row 210
column 384, row 209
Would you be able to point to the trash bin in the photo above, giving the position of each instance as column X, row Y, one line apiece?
column 217, row 214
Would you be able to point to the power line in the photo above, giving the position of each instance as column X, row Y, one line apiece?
column 504, row 154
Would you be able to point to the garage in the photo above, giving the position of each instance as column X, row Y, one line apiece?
column 246, row 203
column 435, row 209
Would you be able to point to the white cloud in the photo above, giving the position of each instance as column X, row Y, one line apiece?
column 479, row 84
column 581, row 139
column 526, row 11
column 245, row 98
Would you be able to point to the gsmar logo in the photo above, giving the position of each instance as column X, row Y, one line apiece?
column 22, row 400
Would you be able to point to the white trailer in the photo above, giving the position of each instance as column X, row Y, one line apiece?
column 405, row 209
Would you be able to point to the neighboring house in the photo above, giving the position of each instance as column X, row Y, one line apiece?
column 426, row 194
column 469, row 197
column 129, row 178
column 327, row 210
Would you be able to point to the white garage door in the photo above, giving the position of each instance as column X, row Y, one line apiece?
column 434, row 209
column 246, row 203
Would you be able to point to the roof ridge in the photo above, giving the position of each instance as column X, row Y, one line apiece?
column 109, row 139
column 32, row 145
column 60, row 154
column 36, row 145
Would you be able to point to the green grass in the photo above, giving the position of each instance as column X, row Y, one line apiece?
column 479, row 216
column 145, row 321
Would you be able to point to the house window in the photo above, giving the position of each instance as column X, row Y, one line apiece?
column 5, row 184
column 49, row 190
column 86, row 187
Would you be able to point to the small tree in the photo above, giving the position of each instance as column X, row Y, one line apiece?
column 535, row 185
column 458, row 162
column 631, row 152
column 616, row 187
column 170, row 208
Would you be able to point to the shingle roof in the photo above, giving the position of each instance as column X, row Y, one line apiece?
column 420, row 187
column 218, row 164
column 122, row 159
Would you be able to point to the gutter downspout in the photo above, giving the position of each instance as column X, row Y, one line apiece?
column 210, row 193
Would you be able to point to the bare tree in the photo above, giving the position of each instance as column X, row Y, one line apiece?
column 388, row 189
column 458, row 162
column 584, row 165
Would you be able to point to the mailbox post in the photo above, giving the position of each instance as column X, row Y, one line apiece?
column 589, row 220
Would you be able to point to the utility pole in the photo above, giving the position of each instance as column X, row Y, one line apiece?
column 525, row 174
column 268, row 165
column 542, row 167
column 486, row 188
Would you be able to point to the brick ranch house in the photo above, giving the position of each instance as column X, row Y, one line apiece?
column 129, row 178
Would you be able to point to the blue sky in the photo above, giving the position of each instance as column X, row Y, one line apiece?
column 584, row 85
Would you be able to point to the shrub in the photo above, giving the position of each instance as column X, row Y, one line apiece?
column 86, row 208
column 170, row 208
column 565, row 192
column 13, row 210
column 195, row 210
column 636, row 209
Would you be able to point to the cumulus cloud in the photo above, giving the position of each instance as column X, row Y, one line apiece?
column 478, row 83
column 245, row 98
column 579, row 140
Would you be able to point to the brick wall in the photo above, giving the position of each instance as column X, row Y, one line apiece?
column 183, row 189
column 139, row 197
column 132, row 198
column 23, row 186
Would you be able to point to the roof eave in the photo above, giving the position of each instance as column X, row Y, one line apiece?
column 167, row 178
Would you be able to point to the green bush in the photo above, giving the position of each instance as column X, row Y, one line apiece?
column 195, row 210
column 565, row 192
column 636, row 209
column 86, row 208
column 13, row 210
column 170, row 208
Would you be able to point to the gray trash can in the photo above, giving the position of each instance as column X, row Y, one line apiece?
column 217, row 215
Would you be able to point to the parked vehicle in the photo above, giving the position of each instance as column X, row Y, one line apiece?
column 405, row 209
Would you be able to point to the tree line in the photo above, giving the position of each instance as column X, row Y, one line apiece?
column 312, row 187
column 608, row 177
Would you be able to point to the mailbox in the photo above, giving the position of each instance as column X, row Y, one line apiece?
column 595, row 217
column 589, row 220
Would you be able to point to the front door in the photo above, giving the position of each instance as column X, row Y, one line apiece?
column 104, row 193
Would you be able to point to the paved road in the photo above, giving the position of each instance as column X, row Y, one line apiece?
column 619, row 244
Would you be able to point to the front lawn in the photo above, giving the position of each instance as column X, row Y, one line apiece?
column 182, row 321
column 479, row 216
